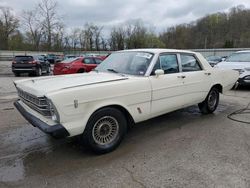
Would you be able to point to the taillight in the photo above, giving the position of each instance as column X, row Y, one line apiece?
column 13, row 62
column 33, row 62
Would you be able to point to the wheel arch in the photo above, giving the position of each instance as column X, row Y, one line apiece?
column 81, row 70
column 128, row 116
column 219, row 87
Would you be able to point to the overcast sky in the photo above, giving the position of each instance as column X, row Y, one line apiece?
column 157, row 13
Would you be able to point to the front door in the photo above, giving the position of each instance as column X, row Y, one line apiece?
column 167, row 89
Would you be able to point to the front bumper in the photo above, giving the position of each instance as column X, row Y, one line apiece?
column 56, row 131
column 245, row 81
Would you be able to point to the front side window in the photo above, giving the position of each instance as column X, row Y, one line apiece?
column 189, row 63
column 126, row 62
column 168, row 63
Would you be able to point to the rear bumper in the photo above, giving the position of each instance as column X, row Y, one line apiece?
column 56, row 131
column 24, row 69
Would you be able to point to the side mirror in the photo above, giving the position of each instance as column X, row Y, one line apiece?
column 159, row 72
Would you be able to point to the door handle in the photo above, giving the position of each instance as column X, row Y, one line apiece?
column 182, row 76
column 208, row 73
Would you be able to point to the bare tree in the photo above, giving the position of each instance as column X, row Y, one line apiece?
column 48, row 11
column 34, row 27
column 8, row 25
column 117, row 38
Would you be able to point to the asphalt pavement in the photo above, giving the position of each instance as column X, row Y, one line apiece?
column 180, row 149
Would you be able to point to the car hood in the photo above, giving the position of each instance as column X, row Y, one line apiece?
column 43, row 85
column 233, row 65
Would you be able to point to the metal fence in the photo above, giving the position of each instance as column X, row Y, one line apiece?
column 8, row 55
column 218, row 52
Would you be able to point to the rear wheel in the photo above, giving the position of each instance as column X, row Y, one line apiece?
column 105, row 130
column 17, row 74
column 210, row 104
column 81, row 71
column 38, row 71
column 48, row 69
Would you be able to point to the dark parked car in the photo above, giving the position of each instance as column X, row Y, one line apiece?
column 51, row 58
column 214, row 60
column 76, row 65
column 34, row 65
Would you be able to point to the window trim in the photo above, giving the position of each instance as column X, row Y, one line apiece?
column 196, row 58
column 158, row 59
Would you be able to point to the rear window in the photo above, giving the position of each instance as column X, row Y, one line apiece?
column 24, row 58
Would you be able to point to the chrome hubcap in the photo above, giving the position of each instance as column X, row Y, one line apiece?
column 212, row 99
column 105, row 130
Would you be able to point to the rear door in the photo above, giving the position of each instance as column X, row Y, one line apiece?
column 196, row 79
column 98, row 61
column 89, row 63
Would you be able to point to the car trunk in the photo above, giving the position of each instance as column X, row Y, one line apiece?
column 22, row 61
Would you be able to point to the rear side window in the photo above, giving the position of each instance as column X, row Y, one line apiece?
column 24, row 58
column 189, row 63
column 98, row 61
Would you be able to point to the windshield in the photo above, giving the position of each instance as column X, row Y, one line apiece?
column 239, row 57
column 133, row 63
column 213, row 58
column 69, row 60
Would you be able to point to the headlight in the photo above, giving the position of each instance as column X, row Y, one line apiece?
column 247, row 69
column 247, row 78
column 53, row 111
column 241, row 71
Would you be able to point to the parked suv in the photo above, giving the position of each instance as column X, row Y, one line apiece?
column 34, row 65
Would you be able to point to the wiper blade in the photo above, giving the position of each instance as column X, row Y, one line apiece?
column 112, row 70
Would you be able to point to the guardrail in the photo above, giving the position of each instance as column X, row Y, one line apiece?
column 218, row 51
column 8, row 55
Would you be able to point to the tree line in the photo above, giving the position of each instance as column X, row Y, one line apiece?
column 42, row 29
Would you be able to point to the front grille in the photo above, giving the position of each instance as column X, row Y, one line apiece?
column 38, row 104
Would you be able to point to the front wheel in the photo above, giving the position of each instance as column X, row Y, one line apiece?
column 210, row 104
column 105, row 130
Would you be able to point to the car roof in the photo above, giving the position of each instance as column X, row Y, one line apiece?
column 243, row 51
column 158, row 50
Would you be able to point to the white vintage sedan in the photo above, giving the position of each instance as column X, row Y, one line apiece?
column 128, row 87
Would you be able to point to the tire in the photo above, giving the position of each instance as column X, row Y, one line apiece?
column 17, row 74
column 105, row 130
column 38, row 71
column 48, row 70
column 211, row 102
column 81, row 71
